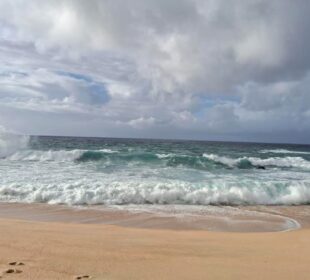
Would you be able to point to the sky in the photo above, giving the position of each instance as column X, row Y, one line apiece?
column 230, row 70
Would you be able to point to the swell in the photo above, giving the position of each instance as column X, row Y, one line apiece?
column 205, row 161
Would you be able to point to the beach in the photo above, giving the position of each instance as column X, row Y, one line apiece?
column 64, row 251
column 67, row 250
column 105, row 208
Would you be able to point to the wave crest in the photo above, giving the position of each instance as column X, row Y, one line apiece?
column 284, row 151
column 246, row 162
column 218, row 192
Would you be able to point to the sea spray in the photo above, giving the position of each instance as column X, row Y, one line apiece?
column 11, row 142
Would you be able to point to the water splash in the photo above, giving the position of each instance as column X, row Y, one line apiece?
column 11, row 142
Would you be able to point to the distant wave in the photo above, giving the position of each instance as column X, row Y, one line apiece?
column 214, row 192
column 246, row 162
column 205, row 161
column 58, row 155
column 164, row 155
column 284, row 151
column 81, row 155
column 50, row 155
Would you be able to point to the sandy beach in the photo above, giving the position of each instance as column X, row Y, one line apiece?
column 63, row 250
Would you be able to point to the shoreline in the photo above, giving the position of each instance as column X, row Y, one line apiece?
column 171, row 217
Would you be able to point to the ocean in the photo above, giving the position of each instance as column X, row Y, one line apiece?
column 106, row 171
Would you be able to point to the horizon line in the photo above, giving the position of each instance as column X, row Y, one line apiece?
column 172, row 139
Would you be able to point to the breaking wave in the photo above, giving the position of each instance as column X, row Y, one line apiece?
column 51, row 155
column 216, row 192
column 58, row 155
column 284, row 151
column 204, row 162
column 247, row 162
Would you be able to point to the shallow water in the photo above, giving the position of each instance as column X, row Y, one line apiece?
column 172, row 217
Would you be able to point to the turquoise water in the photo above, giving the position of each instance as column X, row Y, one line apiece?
column 105, row 171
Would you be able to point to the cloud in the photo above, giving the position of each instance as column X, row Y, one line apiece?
column 178, row 68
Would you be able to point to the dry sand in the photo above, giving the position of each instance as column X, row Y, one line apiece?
column 62, row 250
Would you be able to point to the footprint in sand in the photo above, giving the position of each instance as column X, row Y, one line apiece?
column 16, row 263
column 13, row 270
column 83, row 277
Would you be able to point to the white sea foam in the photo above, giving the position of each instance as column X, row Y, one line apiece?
column 221, row 159
column 162, row 156
column 284, row 151
column 108, row 151
column 297, row 162
column 11, row 142
column 218, row 192
column 228, row 214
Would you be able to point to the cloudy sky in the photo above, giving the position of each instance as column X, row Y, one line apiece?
column 191, row 69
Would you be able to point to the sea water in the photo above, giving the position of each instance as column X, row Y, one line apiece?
column 108, row 171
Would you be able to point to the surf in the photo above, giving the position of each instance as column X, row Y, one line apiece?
column 173, row 192
column 18, row 152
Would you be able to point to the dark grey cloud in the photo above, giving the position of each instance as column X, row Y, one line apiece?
column 179, row 68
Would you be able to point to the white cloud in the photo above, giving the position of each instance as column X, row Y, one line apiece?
column 185, row 68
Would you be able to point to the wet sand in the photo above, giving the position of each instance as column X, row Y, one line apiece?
column 51, row 249
column 211, row 218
